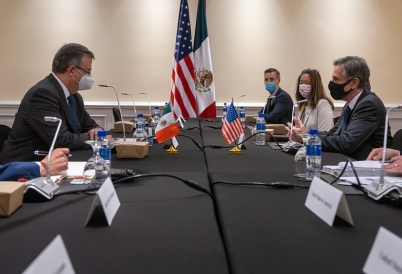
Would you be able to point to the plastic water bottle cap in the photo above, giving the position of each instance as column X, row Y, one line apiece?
column 101, row 133
column 156, row 107
column 140, row 115
column 260, row 115
column 313, row 131
column 224, row 104
column 241, row 107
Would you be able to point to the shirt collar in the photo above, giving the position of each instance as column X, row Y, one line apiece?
column 66, row 92
column 352, row 102
column 274, row 93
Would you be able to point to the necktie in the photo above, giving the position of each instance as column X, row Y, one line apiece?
column 71, row 111
column 346, row 113
column 269, row 103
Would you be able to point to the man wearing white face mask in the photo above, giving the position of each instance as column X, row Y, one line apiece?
column 57, row 96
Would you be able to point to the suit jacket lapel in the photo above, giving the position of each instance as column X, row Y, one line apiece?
column 63, row 101
column 364, row 93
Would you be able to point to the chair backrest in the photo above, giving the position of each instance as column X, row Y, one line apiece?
column 116, row 114
column 4, row 132
column 397, row 140
column 336, row 119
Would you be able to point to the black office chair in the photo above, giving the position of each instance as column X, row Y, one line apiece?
column 4, row 132
column 336, row 119
column 116, row 114
column 397, row 140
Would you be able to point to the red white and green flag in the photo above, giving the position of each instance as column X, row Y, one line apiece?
column 167, row 127
column 204, row 76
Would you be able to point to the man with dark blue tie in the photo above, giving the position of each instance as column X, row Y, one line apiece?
column 362, row 123
column 278, row 109
column 57, row 96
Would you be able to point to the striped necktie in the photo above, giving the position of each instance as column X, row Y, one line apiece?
column 71, row 111
column 346, row 113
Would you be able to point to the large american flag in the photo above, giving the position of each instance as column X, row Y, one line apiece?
column 182, row 94
column 232, row 127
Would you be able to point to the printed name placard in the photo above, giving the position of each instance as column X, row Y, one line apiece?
column 241, row 137
column 109, row 201
column 385, row 255
column 327, row 202
column 53, row 259
column 175, row 142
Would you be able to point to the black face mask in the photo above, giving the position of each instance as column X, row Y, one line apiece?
column 337, row 91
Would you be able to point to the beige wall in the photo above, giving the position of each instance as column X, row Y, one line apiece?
column 133, row 41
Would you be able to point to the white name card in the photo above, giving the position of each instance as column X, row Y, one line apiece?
column 327, row 202
column 241, row 137
column 53, row 259
column 110, row 202
column 385, row 255
column 175, row 142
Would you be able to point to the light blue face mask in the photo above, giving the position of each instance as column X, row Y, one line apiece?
column 270, row 86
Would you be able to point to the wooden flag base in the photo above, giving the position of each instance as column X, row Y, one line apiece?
column 235, row 149
column 172, row 150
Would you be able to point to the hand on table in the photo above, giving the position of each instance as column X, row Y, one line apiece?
column 58, row 162
column 395, row 166
column 93, row 133
column 376, row 154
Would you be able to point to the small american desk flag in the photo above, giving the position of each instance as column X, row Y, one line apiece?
column 232, row 127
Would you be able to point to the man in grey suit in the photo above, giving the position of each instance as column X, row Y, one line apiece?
column 56, row 95
column 362, row 123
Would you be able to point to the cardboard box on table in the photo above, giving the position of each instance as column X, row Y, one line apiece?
column 126, row 149
column 128, row 126
column 11, row 195
column 279, row 129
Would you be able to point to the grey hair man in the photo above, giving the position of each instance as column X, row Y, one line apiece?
column 57, row 96
column 361, row 126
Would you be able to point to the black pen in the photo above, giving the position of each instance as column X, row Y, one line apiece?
column 45, row 153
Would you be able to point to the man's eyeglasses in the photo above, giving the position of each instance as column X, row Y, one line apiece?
column 87, row 71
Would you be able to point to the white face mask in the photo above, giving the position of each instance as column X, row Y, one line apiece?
column 304, row 90
column 86, row 81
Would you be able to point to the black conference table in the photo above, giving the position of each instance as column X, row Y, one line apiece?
column 163, row 226
column 269, row 230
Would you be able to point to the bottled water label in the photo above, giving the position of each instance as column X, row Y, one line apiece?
column 313, row 150
column 260, row 126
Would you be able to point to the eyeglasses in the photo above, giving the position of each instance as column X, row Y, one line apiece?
column 87, row 71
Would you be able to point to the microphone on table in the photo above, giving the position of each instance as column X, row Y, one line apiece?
column 237, row 105
column 118, row 103
column 380, row 187
column 43, row 186
column 289, row 146
column 132, row 98
column 149, row 103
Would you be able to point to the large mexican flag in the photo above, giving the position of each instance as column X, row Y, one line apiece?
column 204, row 76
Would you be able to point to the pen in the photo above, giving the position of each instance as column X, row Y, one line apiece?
column 44, row 153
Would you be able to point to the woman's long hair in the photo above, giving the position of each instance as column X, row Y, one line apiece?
column 317, row 91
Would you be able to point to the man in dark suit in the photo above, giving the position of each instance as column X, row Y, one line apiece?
column 30, row 170
column 278, row 109
column 57, row 96
column 362, row 123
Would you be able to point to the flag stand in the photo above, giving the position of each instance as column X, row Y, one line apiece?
column 172, row 150
column 235, row 149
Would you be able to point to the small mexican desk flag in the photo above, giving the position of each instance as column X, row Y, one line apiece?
column 167, row 127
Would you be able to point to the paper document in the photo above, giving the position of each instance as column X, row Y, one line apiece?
column 363, row 164
column 348, row 181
